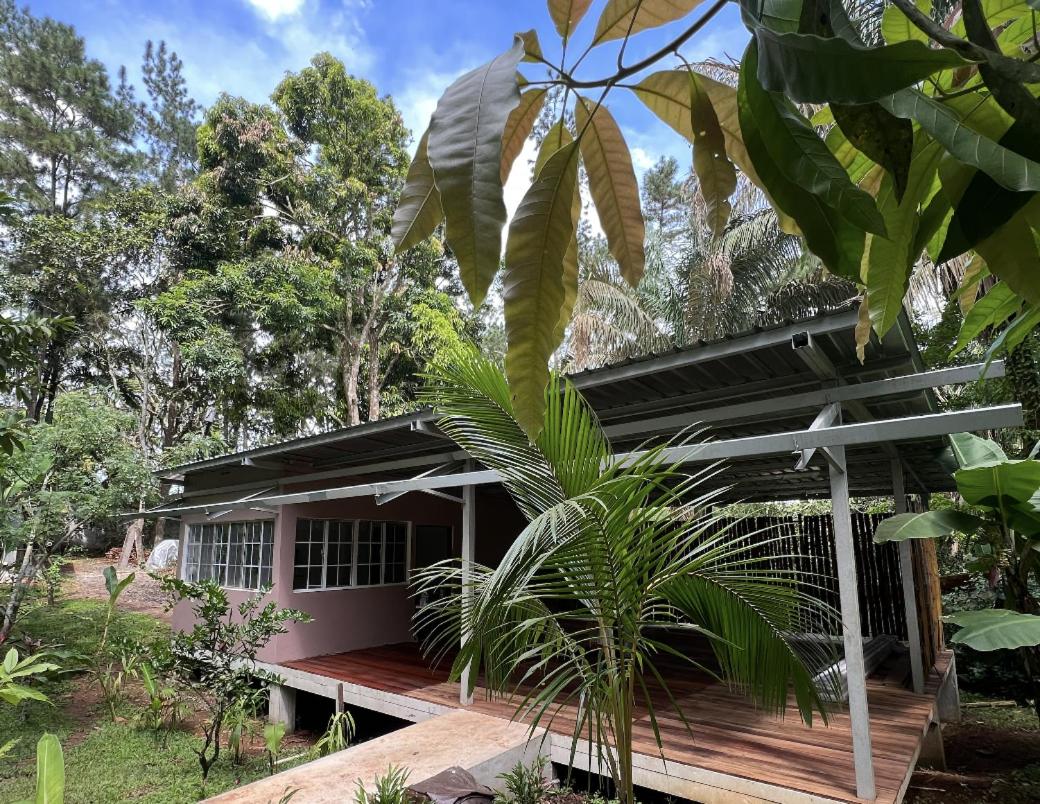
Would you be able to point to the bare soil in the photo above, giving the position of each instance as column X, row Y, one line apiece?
column 144, row 595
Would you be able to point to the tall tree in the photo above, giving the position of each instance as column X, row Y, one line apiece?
column 169, row 118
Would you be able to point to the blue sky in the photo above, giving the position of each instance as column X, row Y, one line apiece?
column 411, row 49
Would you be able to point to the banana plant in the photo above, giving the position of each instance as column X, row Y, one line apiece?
column 15, row 669
column 1001, row 518
column 926, row 141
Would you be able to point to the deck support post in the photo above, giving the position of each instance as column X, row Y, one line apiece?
column 281, row 707
column 469, row 523
column 906, row 573
column 859, row 716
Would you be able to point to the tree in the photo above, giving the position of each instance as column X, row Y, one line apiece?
column 1002, row 521
column 215, row 662
column 924, row 141
column 78, row 472
column 169, row 118
column 614, row 554
column 66, row 134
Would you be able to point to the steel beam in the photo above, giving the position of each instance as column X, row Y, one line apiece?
column 469, row 525
column 852, row 631
column 906, row 573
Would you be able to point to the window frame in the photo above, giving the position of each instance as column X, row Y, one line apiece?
column 355, row 542
column 223, row 531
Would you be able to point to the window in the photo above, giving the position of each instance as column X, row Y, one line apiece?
column 333, row 554
column 233, row 554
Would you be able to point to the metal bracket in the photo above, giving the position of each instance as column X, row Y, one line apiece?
column 829, row 415
column 444, row 468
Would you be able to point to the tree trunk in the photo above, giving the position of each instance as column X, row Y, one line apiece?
column 350, row 366
column 17, row 594
column 133, row 542
column 373, row 374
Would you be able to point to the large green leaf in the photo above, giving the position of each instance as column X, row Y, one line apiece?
column 896, row 26
column 888, row 261
column 613, row 185
column 814, row 69
column 566, row 14
column 50, row 771
column 465, row 151
column 1012, row 254
column 999, row 483
column 621, row 17
column 836, row 241
column 716, row 176
column 970, row 450
column 539, row 236
column 419, row 210
column 995, row 629
column 881, row 136
column 1011, row 170
column 993, row 309
column 518, row 127
column 926, row 525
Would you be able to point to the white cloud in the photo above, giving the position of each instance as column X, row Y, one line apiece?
column 275, row 9
column 641, row 160
column 418, row 98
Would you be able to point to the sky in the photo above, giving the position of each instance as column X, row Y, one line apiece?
column 410, row 49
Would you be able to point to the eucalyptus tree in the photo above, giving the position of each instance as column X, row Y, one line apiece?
column 924, row 142
column 618, row 556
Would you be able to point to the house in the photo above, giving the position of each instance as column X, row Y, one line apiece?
column 337, row 522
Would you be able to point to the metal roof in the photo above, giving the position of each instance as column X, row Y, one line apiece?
column 747, row 374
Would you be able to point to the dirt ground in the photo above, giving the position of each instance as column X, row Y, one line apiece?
column 144, row 595
column 986, row 761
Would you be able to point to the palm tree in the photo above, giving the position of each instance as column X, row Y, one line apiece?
column 616, row 556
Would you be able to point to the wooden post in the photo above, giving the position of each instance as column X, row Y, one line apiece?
column 469, row 521
column 859, row 714
column 906, row 573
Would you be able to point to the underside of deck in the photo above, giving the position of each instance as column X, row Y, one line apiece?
column 735, row 753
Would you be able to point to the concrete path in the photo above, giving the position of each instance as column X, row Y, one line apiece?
column 484, row 745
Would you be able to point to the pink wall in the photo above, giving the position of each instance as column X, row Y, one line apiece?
column 348, row 619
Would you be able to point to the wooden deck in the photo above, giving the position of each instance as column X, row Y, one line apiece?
column 736, row 753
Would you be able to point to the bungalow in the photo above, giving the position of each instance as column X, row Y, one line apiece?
column 337, row 523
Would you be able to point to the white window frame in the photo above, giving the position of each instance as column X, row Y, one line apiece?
column 224, row 565
column 355, row 540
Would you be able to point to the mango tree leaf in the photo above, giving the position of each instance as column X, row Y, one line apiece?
column 992, row 310
column 539, row 235
column 970, row 450
column 836, row 241
column 888, row 261
column 926, row 525
column 613, row 186
column 419, row 211
column 999, row 483
column 50, row 771
column 465, row 151
column 716, row 176
column 518, row 127
column 620, row 17
column 566, row 14
column 532, row 47
column 1010, row 170
column 896, row 26
column 813, row 69
column 884, row 138
column 995, row 629
column 1012, row 255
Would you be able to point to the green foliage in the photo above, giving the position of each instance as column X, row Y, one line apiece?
column 338, row 734
column 612, row 553
column 524, row 784
column 996, row 629
column 390, row 788
column 213, row 663
column 14, row 667
column 274, row 733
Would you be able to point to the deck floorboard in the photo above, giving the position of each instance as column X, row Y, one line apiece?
column 729, row 735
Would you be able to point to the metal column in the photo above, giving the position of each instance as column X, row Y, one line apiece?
column 906, row 573
column 859, row 715
column 469, row 521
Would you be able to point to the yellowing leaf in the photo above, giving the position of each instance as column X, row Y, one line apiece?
column 566, row 14
column 715, row 173
column 968, row 292
column 621, row 17
column 465, row 151
column 518, row 127
column 613, row 185
column 419, row 210
column 539, row 236
column 863, row 330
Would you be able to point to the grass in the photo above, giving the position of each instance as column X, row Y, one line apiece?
column 105, row 761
